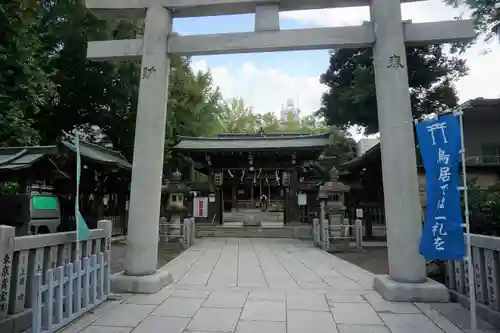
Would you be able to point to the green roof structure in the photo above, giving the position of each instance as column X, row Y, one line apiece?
column 97, row 153
column 253, row 142
column 18, row 158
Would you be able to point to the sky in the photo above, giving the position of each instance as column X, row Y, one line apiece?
column 267, row 80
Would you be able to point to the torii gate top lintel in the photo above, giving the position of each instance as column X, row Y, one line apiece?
column 193, row 8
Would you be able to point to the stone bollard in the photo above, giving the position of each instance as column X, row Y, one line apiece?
column 325, row 235
column 318, row 232
column 359, row 233
column 163, row 230
column 314, row 231
column 193, row 230
column 185, row 233
column 107, row 226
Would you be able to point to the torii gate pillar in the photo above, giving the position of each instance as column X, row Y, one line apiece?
column 141, row 274
column 408, row 276
column 386, row 33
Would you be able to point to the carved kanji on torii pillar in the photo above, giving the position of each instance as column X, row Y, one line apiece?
column 386, row 33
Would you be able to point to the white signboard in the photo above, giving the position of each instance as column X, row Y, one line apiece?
column 211, row 197
column 302, row 199
column 359, row 213
column 200, row 207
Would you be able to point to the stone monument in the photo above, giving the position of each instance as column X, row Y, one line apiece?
column 386, row 33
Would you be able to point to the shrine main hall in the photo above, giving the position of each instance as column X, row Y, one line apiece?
column 243, row 168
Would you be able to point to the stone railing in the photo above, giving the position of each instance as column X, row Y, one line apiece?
column 24, row 257
column 486, row 262
column 338, row 236
column 184, row 231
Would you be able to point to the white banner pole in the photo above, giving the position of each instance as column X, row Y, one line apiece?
column 470, row 266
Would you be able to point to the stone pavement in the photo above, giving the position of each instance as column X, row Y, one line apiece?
column 265, row 286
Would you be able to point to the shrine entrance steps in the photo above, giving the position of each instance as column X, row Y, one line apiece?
column 237, row 217
column 254, row 223
column 297, row 231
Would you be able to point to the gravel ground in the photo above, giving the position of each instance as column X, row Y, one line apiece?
column 373, row 260
column 166, row 252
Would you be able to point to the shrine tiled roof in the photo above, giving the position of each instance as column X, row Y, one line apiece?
column 98, row 153
column 17, row 158
column 248, row 142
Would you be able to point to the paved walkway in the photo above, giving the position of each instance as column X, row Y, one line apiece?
column 264, row 286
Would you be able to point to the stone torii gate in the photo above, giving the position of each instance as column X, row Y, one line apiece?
column 386, row 33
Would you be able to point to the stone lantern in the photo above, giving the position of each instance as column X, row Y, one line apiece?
column 332, row 215
column 175, row 208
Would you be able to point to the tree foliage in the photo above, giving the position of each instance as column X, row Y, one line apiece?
column 484, row 208
column 351, row 97
column 237, row 117
column 48, row 85
column 25, row 78
column 485, row 13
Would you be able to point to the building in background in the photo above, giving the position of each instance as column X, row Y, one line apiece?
column 363, row 145
column 290, row 109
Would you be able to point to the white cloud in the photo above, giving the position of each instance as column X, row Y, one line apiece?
column 267, row 89
column 483, row 68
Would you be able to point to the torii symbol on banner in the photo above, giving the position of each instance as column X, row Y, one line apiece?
column 437, row 126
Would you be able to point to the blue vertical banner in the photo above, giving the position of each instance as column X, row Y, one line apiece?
column 82, row 230
column 440, row 145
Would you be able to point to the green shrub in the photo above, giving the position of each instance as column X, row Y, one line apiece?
column 484, row 209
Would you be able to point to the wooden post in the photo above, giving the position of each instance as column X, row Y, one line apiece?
column 233, row 195
column 219, row 202
column 294, row 213
column 252, row 203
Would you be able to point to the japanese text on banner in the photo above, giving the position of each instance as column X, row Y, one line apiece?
column 440, row 146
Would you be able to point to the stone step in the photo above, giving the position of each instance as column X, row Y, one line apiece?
column 257, row 216
column 300, row 232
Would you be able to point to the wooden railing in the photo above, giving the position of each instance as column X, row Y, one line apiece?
column 486, row 263
column 24, row 257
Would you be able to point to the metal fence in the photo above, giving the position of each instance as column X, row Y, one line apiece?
column 486, row 263
column 183, row 231
column 26, row 256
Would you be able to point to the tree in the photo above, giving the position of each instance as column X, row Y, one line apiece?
column 268, row 123
column 237, row 117
column 193, row 105
column 25, row 79
column 351, row 98
column 485, row 13
column 342, row 149
column 100, row 98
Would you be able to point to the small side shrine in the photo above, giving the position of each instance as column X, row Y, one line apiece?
column 104, row 186
column 246, row 169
